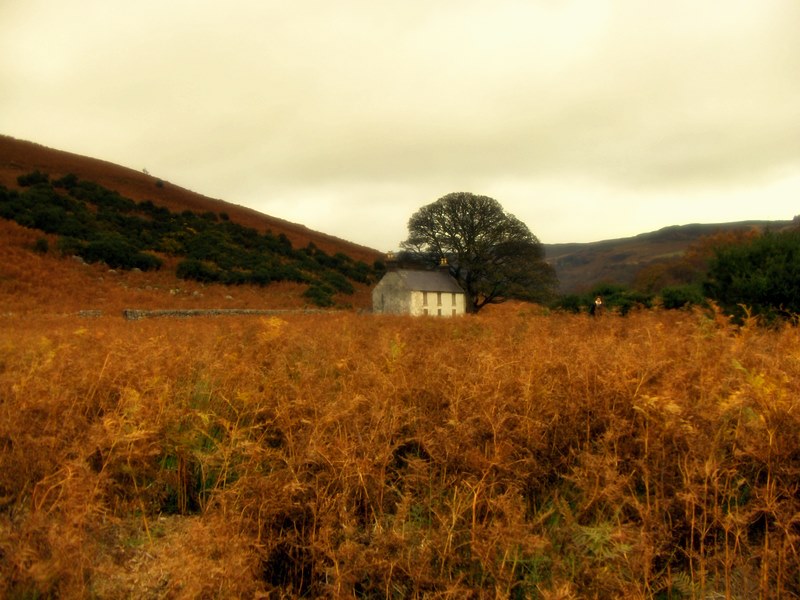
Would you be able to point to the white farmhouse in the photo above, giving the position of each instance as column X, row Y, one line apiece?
column 416, row 292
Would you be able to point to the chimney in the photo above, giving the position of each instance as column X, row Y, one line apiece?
column 444, row 267
column 391, row 261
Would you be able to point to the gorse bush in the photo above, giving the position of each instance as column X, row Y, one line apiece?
column 507, row 455
column 105, row 226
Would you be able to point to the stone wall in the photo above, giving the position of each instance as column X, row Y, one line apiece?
column 133, row 314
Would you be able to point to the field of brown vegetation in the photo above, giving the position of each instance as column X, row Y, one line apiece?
column 515, row 453
column 511, row 454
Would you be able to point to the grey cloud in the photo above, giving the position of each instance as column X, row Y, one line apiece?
column 289, row 106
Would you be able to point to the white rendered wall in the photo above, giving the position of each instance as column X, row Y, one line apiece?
column 437, row 304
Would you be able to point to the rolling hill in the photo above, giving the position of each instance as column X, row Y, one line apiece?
column 19, row 157
column 581, row 266
column 52, row 283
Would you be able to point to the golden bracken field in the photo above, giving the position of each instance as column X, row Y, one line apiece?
column 517, row 453
column 511, row 454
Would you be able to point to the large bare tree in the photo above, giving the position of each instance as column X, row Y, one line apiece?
column 492, row 254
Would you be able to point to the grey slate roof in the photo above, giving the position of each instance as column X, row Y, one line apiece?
column 429, row 281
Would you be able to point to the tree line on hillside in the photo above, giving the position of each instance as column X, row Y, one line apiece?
column 748, row 273
column 100, row 225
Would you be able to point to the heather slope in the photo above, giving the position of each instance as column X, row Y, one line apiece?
column 19, row 157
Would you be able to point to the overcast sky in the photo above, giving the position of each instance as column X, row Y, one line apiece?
column 587, row 119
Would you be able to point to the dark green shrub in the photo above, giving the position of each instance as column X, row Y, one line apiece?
column 112, row 250
column 160, row 214
column 762, row 275
column 33, row 178
column 48, row 218
column 261, row 276
column 68, row 181
column 571, row 303
column 360, row 272
column 69, row 246
column 320, row 295
column 338, row 282
column 290, row 273
column 681, row 296
column 147, row 262
column 118, row 253
column 285, row 244
column 198, row 271
column 234, row 277
column 631, row 300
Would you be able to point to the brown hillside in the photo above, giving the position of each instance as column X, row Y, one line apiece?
column 19, row 157
column 32, row 283
column 50, row 284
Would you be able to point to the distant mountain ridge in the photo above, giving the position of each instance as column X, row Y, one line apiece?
column 580, row 266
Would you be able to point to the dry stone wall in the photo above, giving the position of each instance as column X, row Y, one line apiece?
column 133, row 314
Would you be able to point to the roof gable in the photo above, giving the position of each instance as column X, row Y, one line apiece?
column 429, row 281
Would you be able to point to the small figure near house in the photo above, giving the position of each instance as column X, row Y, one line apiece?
column 596, row 309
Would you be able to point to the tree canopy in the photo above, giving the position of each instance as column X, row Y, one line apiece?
column 492, row 254
column 762, row 276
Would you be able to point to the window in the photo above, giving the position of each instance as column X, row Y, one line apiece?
column 438, row 298
column 425, row 299
column 453, row 300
